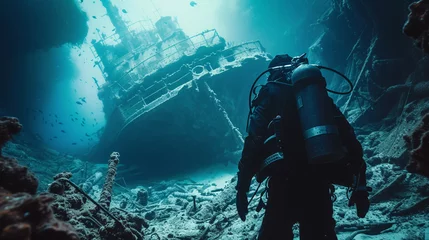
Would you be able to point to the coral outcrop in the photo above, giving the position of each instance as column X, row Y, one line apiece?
column 92, row 219
column 417, row 25
column 8, row 127
column 24, row 216
column 106, row 194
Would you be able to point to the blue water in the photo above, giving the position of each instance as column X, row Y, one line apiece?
column 67, row 114
column 55, row 79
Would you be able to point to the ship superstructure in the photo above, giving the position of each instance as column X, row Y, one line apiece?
column 171, row 99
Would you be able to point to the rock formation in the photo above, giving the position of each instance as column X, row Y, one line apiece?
column 417, row 25
column 23, row 215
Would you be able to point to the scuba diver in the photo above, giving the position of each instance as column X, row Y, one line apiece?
column 302, row 144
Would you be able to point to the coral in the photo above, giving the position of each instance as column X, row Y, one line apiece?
column 417, row 25
column 58, row 187
column 8, row 127
column 23, row 216
column 418, row 144
column 14, row 177
column 106, row 194
column 92, row 219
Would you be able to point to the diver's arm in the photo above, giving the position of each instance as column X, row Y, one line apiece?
column 354, row 147
column 252, row 150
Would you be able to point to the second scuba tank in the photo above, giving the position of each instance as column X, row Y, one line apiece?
column 316, row 115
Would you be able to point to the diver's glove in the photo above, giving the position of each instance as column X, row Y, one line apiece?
column 360, row 198
column 241, row 202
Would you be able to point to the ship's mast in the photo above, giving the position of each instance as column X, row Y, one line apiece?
column 121, row 27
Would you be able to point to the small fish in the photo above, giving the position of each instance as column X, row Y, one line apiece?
column 75, row 119
column 83, row 119
column 193, row 3
column 94, row 17
column 72, row 120
column 40, row 111
column 124, row 11
column 82, row 124
column 74, row 143
column 50, row 139
column 46, row 122
column 81, row 140
column 63, row 131
column 78, row 102
column 55, row 136
column 50, row 115
column 92, row 113
column 81, row 1
column 56, row 116
column 87, row 134
column 83, row 99
column 76, row 113
column 95, row 119
column 60, row 123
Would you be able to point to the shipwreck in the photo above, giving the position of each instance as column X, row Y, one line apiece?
column 173, row 102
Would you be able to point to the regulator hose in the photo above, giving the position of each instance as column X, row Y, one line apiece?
column 293, row 67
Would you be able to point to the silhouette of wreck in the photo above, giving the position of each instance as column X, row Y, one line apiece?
column 173, row 103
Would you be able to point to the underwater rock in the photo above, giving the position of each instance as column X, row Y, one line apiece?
column 106, row 194
column 142, row 197
column 23, row 216
column 91, row 219
column 8, row 127
column 14, row 177
column 57, row 186
column 150, row 215
column 123, row 204
column 418, row 144
column 417, row 25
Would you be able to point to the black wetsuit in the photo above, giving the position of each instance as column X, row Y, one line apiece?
column 301, row 192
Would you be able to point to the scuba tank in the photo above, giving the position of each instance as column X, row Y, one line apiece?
column 315, row 111
column 316, row 116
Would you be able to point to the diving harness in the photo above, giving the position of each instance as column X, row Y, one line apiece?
column 310, row 95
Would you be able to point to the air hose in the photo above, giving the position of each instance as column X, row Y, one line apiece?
column 291, row 67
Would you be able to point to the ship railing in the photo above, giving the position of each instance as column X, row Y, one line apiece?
column 248, row 49
column 131, row 111
column 163, row 62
